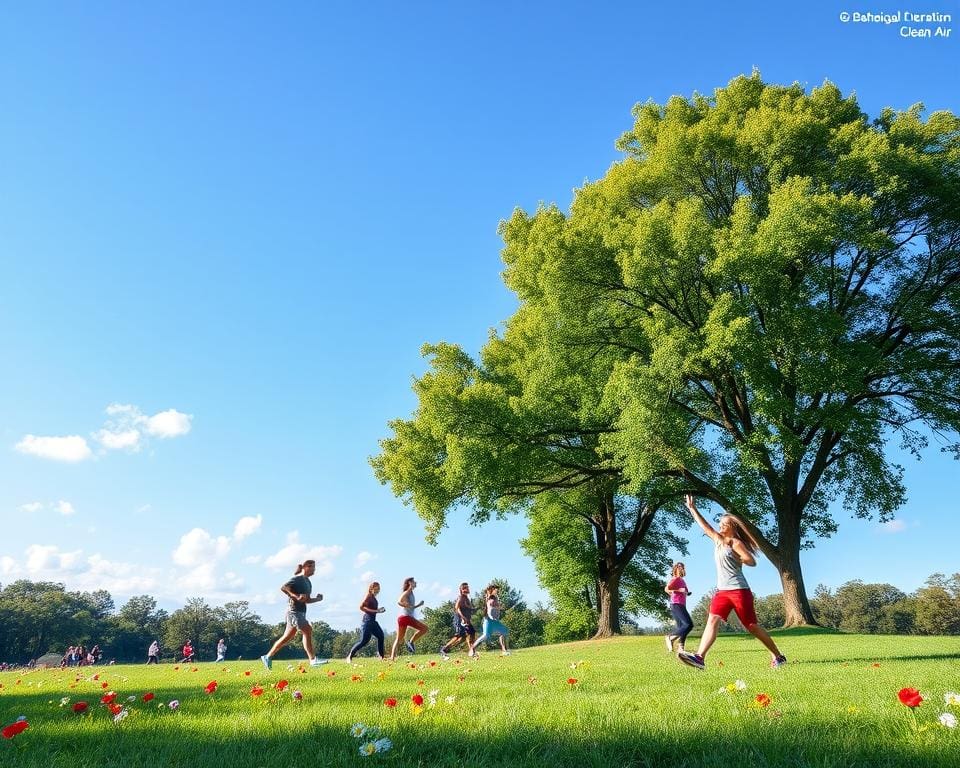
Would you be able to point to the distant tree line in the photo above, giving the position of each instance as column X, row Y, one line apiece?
column 883, row 609
column 39, row 618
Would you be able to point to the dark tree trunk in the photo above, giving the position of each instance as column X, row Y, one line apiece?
column 608, row 594
column 796, row 605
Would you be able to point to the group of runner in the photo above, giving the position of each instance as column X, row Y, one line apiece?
column 299, row 589
column 734, row 547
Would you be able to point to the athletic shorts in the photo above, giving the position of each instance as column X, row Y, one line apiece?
column 493, row 627
column 740, row 601
column 408, row 621
column 461, row 629
column 297, row 620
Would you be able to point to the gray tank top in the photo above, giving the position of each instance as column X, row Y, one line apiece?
column 408, row 609
column 729, row 568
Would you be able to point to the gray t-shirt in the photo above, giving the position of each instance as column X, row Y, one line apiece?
column 301, row 585
column 408, row 609
column 729, row 568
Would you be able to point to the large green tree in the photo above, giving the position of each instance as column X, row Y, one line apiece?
column 778, row 277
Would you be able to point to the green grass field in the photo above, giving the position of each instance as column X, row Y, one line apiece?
column 835, row 703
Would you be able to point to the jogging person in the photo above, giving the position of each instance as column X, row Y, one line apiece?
column 408, row 619
column 462, row 621
column 298, row 589
column 491, row 623
column 677, row 589
column 369, row 627
column 733, row 547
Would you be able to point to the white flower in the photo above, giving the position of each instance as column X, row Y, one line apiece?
column 948, row 720
column 740, row 685
column 131, row 698
column 358, row 731
column 951, row 699
column 120, row 716
column 174, row 704
column 383, row 744
column 64, row 701
column 369, row 748
column 450, row 699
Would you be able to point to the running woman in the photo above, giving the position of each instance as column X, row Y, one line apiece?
column 733, row 547
column 491, row 622
column 462, row 624
column 368, row 624
column 408, row 618
column 298, row 589
column 677, row 589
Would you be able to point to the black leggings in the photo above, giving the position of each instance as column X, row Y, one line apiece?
column 684, row 622
column 369, row 629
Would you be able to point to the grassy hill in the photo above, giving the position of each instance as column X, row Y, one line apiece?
column 631, row 704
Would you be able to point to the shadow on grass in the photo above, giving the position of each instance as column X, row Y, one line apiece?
column 772, row 743
column 887, row 657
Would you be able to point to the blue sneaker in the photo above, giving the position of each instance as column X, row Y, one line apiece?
column 691, row 660
column 778, row 662
column 267, row 662
column 410, row 647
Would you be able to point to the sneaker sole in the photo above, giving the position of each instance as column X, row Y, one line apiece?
column 691, row 663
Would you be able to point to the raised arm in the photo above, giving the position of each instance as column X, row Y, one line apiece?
column 707, row 528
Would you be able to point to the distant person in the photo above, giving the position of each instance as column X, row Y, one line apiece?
column 221, row 649
column 491, row 622
column 187, row 651
column 369, row 626
column 462, row 621
column 298, row 590
column 677, row 589
column 733, row 547
column 407, row 619
column 153, row 653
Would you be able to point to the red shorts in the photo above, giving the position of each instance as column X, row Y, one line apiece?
column 409, row 621
column 740, row 601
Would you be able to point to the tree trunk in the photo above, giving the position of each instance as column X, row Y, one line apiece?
column 796, row 606
column 608, row 596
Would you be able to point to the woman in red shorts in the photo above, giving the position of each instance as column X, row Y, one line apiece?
column 407, row 618
column 733, row 547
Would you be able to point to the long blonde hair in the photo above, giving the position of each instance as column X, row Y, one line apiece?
column 676, row 569
column 741, row 533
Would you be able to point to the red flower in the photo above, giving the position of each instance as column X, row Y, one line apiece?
column 571, row 681
column 96, row 677
column 247, row 673
column 417, row 700
column 433, row 663
column 910, row 697
column 104, row 685
column 108, row 698
column 390, row 703
column 211, row 687
column 411, row 665
column 281, row 685
column 875, row 664
column 148, row 697
column 356, row 678
column 80, row 707
column 762, row 700
column 115, row 709
column 256, row 691
column 420, row 682
column 194, row 669
column 331, row 673
column 12, row 730
column 460, row 678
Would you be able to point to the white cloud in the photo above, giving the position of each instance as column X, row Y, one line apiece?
column 7, row 565
column 169, row 423
column 253, row 559
column 47, row 558
column 127, row 439
column 367, row 576
column 30, row 508
column 72, row 448
column 439, row 590
column 144, row 509
column 893, row 526
column 198, row 548
column 204, row 579
column 246, row 526
column 362, row 559
column 65, row 508
column 296, row 552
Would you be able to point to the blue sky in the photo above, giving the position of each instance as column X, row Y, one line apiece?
column 233, row 227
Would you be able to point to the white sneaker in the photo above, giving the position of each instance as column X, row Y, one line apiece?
column 505, row 653
column 668, row 641
column 267, row 661
column 472, row 654
column 318, row 662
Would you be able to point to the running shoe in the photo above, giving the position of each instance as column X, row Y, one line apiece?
column 668, row 641
column 444, row 655
column 349, row 660
column 691, row 660
column 315, row 662
column 505, row 653
column 410, row 647
column 778, row 662
column 472, row 653
column 267, row 661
